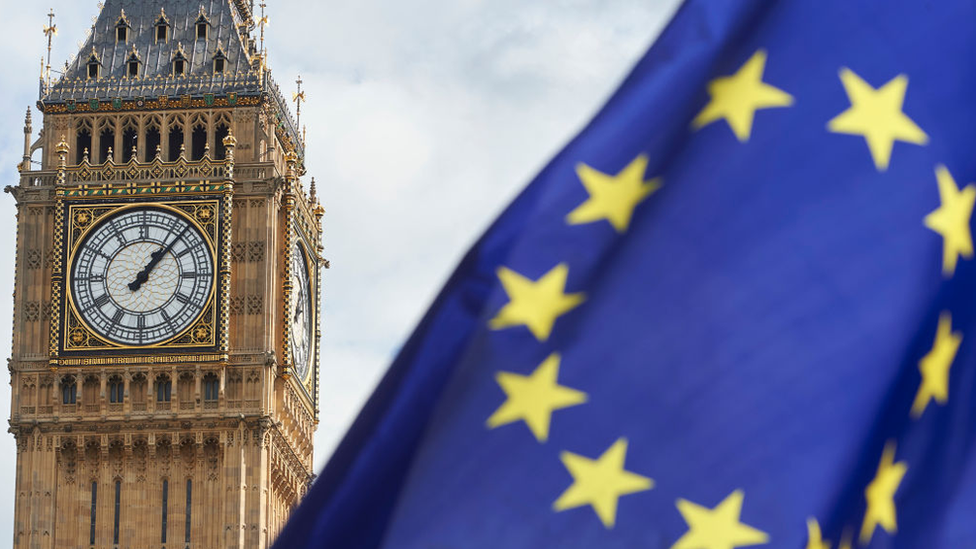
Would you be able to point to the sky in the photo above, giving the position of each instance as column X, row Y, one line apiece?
column 425, row 118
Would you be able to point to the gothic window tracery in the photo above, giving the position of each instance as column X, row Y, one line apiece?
column 83, row 140
column 164, row 388
column 211, row 387
column 69, row 390
column 116, row 389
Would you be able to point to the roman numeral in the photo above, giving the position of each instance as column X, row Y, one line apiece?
column 141, row 322
column 101, row 300
column 189, row 274
column 182, row 298
column 118, row 316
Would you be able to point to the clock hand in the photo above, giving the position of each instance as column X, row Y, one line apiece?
column 155, row 258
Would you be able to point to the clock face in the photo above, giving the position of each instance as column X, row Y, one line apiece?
column 142, row 276
column 300, row 333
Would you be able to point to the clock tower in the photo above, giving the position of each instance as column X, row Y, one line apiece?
column 164, row 367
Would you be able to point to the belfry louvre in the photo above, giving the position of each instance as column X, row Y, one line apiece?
column 166, row 308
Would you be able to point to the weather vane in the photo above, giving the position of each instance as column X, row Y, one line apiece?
column 298, row 97
column 263, row 22
column 49, row 30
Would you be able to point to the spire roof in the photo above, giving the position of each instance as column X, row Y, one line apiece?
column 228, row 24
column 127, row 27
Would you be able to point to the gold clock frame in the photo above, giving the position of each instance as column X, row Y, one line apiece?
column 71, row 335
column 296, row 219
column 301, row 242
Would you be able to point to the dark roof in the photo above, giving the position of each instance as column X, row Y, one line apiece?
column 227, row 18
column 230, row 23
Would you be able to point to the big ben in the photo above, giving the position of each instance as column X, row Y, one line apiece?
column 168, row 279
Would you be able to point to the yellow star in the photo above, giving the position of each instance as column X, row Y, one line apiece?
column 876, row 114
column 600, row 482
column 880, row 495
column 935, row 366
column 736, row 98
column 535, row 304
column 534, row 398
column 717, row 528
column 951, row 220
column 613, row 197
column 814, row 537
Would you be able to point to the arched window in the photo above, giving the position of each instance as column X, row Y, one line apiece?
column 211, row 387
column 69, row 390
column 219, row 134
column 116, row 389
column 130, row 136
column 153, row 139
column 198, row 141
column 164, row 388
column 83, row 141
column 175, row 138
column 106, row 142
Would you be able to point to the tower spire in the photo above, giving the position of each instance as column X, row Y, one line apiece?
column 28, row 129
column 50, row 30
column 298, row 97
column 263, row 22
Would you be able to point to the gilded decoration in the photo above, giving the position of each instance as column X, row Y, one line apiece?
column 157, row 104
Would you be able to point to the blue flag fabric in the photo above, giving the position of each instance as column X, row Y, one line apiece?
column 737, row 310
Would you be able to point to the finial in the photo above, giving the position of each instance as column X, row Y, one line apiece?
column 110, row 156
column 50, row 30
column 62, row 146
column 298, row 97
column 182, row 151
column 62, row 151
column 25, row 162
column 291, row 159
column 135, row 154
column 159, row 152
column 230, row 141
column 263, row 22
column 84, row 156
column 311, row 192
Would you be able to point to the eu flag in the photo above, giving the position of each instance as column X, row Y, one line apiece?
column 737, row 310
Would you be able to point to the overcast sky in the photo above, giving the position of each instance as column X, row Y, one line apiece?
column 424, row 119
